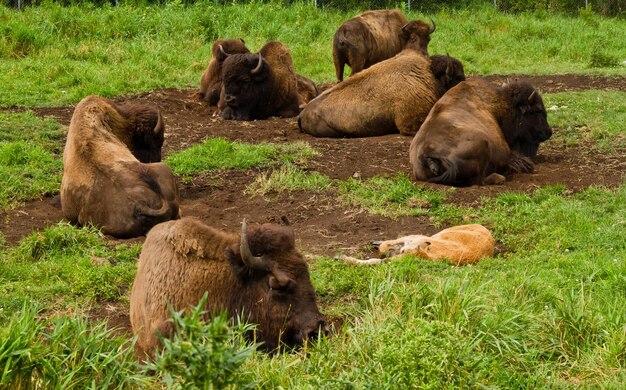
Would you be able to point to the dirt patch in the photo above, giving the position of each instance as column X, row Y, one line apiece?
column 322, row 225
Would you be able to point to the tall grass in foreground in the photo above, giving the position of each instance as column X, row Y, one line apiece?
column 548, row 313
column 53, row 55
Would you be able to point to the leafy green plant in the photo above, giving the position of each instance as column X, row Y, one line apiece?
column 203, row 354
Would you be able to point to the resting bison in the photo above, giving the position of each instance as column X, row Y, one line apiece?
column 211, row 81
column 258, row 275
column 393, row 95
column 476, row 132
column 257, row 86
column 465, row 244
column 103, row 183
column 375, row 36
column 307, row 90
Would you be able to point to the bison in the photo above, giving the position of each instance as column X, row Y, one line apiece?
column 374, row 36
column 393, row 95
column 257, row 275
column 257, row 86
column 477, row 132
column 104, row 184
column 464, row 244
column 211, row 81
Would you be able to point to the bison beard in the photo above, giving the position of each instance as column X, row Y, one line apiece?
column 259, row 275
column 103, row 182
column 477, row 132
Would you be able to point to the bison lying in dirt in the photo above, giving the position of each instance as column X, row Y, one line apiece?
column 104, row 184
column 211, row 81
column 391, row 96
column 477, row 132
column 465, row 244
column 375, row 36
column 257, row 86
column 258, row 275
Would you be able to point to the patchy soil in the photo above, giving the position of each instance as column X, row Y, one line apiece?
column 322, row 225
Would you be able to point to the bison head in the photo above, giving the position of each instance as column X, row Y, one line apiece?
column 246, row 86
column 276, row 289
column 222, row 48
column 146, row 130
column 525, row 125
column 416, row 35
column 447, row 70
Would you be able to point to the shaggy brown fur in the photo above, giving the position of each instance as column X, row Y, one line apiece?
column 257, row 86
column 183, row 259
column 465, row 244
column 211, row 81
column 393, row 95
column 307, row 90
column 103, row 183
column 478, row 132
column 366, row 39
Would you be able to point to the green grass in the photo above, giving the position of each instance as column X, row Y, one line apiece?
column 219, row 153
column 53, row 55
column 591, row 117
column 30, row 152
column 548, row 313
column 64, row 265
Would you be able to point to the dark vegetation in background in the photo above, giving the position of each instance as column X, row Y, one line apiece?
column 570, row 7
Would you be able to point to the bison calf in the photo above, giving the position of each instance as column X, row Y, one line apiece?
column 477, row 132
column 258, row 275
column 103, row 183
column 393, row 95
column 211, row 81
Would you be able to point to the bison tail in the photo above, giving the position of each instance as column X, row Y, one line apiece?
column 444, row 170
column 518, row 163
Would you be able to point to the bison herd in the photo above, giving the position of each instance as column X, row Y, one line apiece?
column 465, row 133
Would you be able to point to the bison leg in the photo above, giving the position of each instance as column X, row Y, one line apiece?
column 339, row 64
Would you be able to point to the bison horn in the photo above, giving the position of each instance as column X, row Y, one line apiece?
column 223, row 51
column 403, row 27
column 433, row 27
column 251, row 261
column 532, row 95
column 259, row 65
column 157, row 127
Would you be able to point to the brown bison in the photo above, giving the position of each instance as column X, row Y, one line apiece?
column 477, row 132
column 375, row 36
column 104, row 184
column 258, row 275
column 211, row 81
column 393, row 95
column 257, row 86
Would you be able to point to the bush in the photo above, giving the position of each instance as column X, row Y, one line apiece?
column 203, row 355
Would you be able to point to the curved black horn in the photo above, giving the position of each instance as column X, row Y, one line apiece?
column 433, row 27
column 251, row 261
column 532, row 95
column 258, row 67
column 223, row 51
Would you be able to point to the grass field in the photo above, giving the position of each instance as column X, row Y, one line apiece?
column 549, row 313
